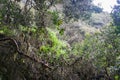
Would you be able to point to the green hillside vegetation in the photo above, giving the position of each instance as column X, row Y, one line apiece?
column 99, row 20
column 58, row 40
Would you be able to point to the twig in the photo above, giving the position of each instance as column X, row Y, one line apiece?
column 107, row 74
column 76, row 60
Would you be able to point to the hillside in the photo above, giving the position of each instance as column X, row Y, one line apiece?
column 99, row 20
column 75, row 30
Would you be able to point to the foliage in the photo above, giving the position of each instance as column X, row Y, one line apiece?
column 57, row 21
column 77, row 8
column 37, row 53
column 116, row 16
column 12, row 14
column 96, row 9
column 54, row 45
column 6, row 30
column 103, row 49
column 99, row 20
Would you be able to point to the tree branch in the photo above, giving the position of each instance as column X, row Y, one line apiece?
column 21, row 53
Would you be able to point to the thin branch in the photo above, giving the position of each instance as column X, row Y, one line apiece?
column 76, row 60
column 107, row 74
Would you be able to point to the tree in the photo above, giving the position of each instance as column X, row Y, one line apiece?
column 116, row 16
column 96, row 9
column 77, row 8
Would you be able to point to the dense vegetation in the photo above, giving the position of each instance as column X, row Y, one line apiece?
column 38, row 42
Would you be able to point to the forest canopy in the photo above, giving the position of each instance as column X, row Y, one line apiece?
column 58, row 40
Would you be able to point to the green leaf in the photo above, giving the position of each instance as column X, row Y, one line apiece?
column 61, row 31
column 117, row 77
